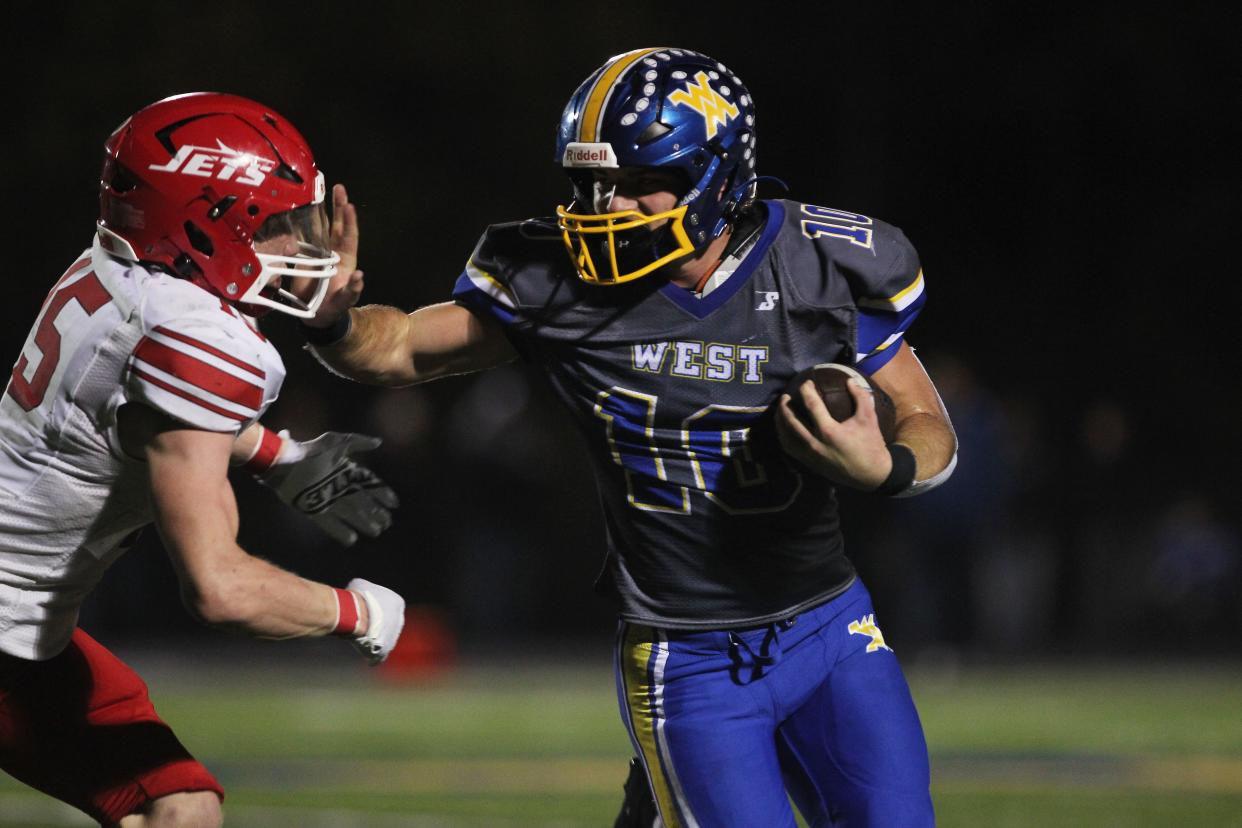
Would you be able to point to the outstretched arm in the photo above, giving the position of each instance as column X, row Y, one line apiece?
column 386, row 346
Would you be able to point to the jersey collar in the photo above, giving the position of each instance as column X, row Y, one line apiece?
column 732, row 274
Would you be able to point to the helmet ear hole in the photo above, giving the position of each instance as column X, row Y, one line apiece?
column 120, row 181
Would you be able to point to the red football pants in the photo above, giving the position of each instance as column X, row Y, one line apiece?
column 81, row 728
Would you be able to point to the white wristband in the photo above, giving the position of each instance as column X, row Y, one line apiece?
column 919, row 487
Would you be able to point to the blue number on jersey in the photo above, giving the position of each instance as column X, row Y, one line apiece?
column 630, row 416
column 710, row 453
column 852, row 226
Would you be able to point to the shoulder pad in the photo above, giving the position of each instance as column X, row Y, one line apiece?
column 517, row 242
column 859, row 261
column 514, row 266
column 874, row 257
column 200, row 362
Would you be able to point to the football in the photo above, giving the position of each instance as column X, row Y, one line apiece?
column 831, row 380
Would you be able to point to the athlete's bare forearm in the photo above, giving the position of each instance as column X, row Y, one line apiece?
column 376, row 350
column 196, row 513
column 851, row 452
column 923, row 424
column 386, row 346
column 246, row 443
column 931, row 438
column 249, row 595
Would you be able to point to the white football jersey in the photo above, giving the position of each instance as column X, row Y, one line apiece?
column 109, row 333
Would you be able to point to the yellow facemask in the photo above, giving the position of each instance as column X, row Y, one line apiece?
column 577, row 230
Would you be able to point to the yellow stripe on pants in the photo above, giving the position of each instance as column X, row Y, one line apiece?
column 638, row 645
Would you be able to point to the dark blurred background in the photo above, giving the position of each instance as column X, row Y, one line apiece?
column 1065, row 174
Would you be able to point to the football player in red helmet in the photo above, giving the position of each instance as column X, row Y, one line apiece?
column 142, row 380
column 193, row 183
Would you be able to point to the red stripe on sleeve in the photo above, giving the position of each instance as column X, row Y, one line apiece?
column 215, row 352
column 172, row 389
column 265, row 454
column 199, row 374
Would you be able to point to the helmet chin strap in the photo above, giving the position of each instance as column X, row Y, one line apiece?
column 753, row 181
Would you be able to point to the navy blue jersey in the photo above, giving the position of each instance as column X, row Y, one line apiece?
column 710, row 525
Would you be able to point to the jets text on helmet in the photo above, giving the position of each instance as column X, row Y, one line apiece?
column 220, row 162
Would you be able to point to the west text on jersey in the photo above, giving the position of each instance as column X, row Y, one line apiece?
column 714, row 361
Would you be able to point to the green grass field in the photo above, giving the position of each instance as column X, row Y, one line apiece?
column 490, row 745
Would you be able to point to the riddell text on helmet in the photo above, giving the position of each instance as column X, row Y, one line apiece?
column 589, row 155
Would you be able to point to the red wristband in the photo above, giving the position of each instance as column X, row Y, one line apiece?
column 346, row 613
column 265, row 453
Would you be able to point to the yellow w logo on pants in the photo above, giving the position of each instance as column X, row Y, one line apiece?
column 706, row 101
column 866, row 626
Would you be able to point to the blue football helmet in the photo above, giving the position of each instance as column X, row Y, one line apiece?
column 668, row 108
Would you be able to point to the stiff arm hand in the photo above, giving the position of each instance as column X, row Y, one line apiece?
column 345, row 288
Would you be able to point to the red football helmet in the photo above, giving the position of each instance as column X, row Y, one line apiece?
column 190, row 183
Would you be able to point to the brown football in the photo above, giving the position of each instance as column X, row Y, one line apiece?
column 831, row 380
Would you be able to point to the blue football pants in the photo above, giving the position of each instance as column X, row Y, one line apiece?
column 730, row 725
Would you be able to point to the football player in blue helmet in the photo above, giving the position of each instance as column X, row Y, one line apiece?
column 667, row 111
column 751, row 669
